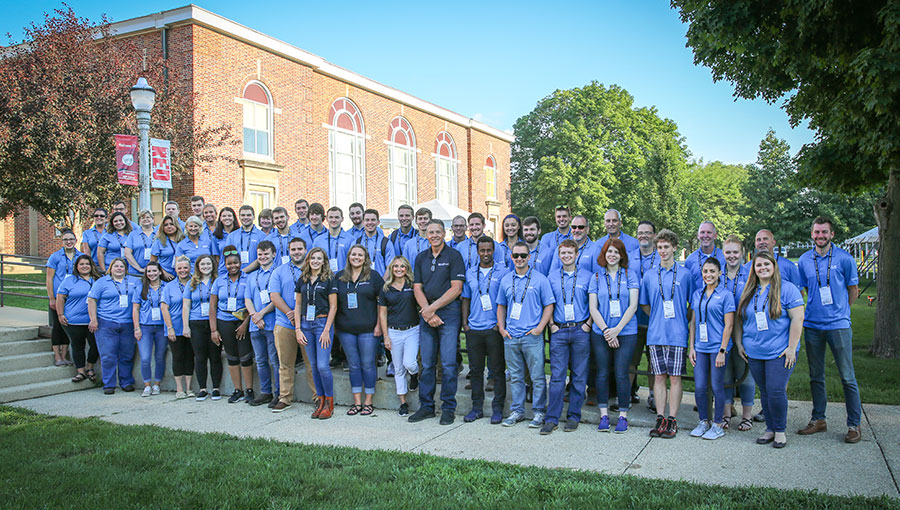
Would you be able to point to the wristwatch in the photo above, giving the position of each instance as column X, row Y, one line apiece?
column 721, row 351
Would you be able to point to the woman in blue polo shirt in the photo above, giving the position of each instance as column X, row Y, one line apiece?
column 767, row 333
column 315, row 309
column 138, row 244
column 227, row 224
column 149, row 328
column 109, row 307
column 195, row 320
column 709, row 342
column 194, row 244
column 113, row 240
column 613, row 301
column 168, row 236
column 60, row 265
column 90, row 238
column 734, row 277
column 226, row 297
column 182, row 352
column 71, row 305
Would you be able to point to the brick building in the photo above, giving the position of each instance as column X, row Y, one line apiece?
column 309, row 129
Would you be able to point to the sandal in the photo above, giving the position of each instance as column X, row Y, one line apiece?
column 92, row 375
column 79, row 377
column 354, row 410
column 367, row 410
column 745, row 425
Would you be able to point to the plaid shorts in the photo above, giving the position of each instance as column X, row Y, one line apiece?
column 667, row 359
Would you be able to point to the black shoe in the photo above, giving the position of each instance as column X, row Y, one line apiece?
column 334, row 363
column 263, row 398
column 413, row 382
column 235, row 396
column 109, row 391
column 671, row 428
column 216, row 394
column 249, row 395
column 422, row 414
column 548, row 427
column 404, row 409
column 129, row 388
column 345, row 366
column 447, row 417
column 381, row 360
column 614, row 407
column 571, row 425
column 272, row 403
column 635, row 399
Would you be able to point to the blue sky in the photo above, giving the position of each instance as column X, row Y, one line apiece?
column 495, row 60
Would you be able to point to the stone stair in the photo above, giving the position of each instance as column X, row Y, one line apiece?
column 26, row 366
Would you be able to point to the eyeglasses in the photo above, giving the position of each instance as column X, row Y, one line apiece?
column 520, row 255
column 99, row 216
column 69, row 239
column 578, row 227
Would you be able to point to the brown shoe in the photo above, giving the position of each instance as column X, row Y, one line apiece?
column 319, row 406
column 327, row 408
column 813, row 427
column 280, row 406
column 853, row 435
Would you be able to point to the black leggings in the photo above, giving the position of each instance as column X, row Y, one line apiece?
column 182, row 356
column 57, row 335
column 205, row 351
column 79, row 335
column 237, row 352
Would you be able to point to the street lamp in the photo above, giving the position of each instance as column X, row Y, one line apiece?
column 142, row 98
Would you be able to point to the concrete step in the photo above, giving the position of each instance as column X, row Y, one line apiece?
column 43, row 389
column 23, row 361
column 18, row 334
column 35, row 375
column 25, row 347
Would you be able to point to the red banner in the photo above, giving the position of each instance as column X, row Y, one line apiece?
column 127, row 160
column 160, row 163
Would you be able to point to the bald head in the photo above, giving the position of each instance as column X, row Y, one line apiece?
column 765, row 241
column 612, row 221
column 706, row 234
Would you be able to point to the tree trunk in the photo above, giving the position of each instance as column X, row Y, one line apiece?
column 886, row 343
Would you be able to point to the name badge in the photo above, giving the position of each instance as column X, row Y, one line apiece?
column 669, row 309
column 351, row 300
column 570, row 312
column 704, row 333
column 825, row 295
column 762, row 324
column 311, row 312
column 123, row 301
column 155, row 314
column 516, row 311
column 231, row 305
column 146, row 254
column 285, row 259
column 333, row 264
column 264, row 297
column 615, row 308
column 245, row 257
column 486, row 305
column 204, row 309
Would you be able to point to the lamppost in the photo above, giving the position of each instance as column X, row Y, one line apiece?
column 142, row 98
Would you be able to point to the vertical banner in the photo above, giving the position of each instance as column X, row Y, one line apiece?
column 160, row 163
column 127, row 160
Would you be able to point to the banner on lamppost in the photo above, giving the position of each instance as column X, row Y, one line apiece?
column 160, row 163
column 127, row 160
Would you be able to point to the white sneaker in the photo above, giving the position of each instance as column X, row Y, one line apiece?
column 714, row 432
column 154, row 389
column 513, row 418
column 538, row 421
column 180, row 395
column 147, row 391
column 701, row 428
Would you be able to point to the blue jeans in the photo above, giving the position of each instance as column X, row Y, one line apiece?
column 115, row 341
column 319, row 356
column 569, row 350
column 705, row 373
column 441, row 340
column 153, row 337
column 526, row 353
column 734, row 369
column 621, row 358
column 266, row 360
column 841, row 343
column 360, row 350
column 772, row 378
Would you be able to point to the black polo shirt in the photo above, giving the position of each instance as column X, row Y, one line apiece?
column 315, row 293
column 436, row 273
column 401, row 306
column 363, row 318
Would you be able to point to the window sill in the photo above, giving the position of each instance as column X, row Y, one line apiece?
column 262, row 164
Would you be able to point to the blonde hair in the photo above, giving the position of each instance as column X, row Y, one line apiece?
column 753, row 284
column 113, row 261
column 364, row 273
column 389, row 272
column 163, row 238
column 324, row 271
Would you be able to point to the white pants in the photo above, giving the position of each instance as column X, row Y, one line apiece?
column 404, row 350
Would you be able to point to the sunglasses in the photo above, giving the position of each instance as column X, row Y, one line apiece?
column 99, row 216
column 566, row 207
column 230, row 252
column 578, row 227
column 520, row 255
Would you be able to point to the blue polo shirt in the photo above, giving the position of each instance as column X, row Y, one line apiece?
column 399, row 240
column 551, row 240
column 106, row 292
column 297, row 229
column 76, row 291
column 609, row 287
column 571, row 288
column 192, row 251
column 505, row 257
column 413, row 247
column 335, row 247
column 92, row 237
column 355, row 231
column 224, row 288
column 788, row 270
column 282, row 246
column 256, row 281
column 113, row 242
column 482, row 281
column 540, row 260
column 586, row 258
column 139, row 243
column 646, row 264
column 837, row 269
column 734, row 285
column 662, row 331
column 469, row 251
column 172, row 296
column 631, row 244
column 311, row 236
column 771, row 343
column 244, row 241
column 62, row 265
column 711, row 310
column 284, row 281
column 165, row 255
column 533, row 291
column 197, row 296
column 694, row 262
column 374, row 244
column 154, row 300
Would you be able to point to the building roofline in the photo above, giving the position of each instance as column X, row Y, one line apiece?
column 193, row 14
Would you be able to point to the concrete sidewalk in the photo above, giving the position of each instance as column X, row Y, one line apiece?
column 821, row 462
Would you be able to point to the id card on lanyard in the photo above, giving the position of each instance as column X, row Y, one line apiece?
column 231, row 304
column 123, row 298
column 762, row 322
column 146, row 249
column 668, row 304
column 515, row 311
column 310, row 300
column 204, row 305
column 702, row 330
column 352, row 302
column 615, row 305
column 485, row 297
column 825, row 296
column 568, row 308
column 155, row 313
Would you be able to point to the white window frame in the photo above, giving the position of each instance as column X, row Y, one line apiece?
column 358, row 154
column 411, row 171
column 493, row 179
column 452, row 167
column 270, row 114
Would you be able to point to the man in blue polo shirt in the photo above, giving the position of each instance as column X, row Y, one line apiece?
column 262, row 323
column 245, row 240
column 315, row 228
column 830, row 277
column 765, row 241
column 381, row 251
column 335, row 242
column 524, row 308
column 419, row 243
column 301, row 207
column 665, row 294
column 437, row 283
column 550, row 240
column 355, row 213
column 706, row 234
column 648, row 259
column 457, row 231
column 612, row 221
column 587, row 250
column 469, row 249
column 280, row 236
column 537, row 258
column 400, row 236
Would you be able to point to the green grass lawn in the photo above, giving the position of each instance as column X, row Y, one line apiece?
column 54, row 462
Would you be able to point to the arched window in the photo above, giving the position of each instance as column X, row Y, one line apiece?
column 346, row 154
column 445, row 166
column 257, row 120
column 402, row 163
column 490, row 177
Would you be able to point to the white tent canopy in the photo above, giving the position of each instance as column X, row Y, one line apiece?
column 439, row 211
column 868, row 237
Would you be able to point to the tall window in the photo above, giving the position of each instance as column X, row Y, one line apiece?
column 257, row 120
column 260, row 196
column 445, row 163
column 346, row 154
column 490, row 177
column 402, row 163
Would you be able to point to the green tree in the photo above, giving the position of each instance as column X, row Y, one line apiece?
column 715, row 193
column 838, row 66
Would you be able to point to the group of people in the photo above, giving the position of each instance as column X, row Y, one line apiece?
column 217, row 280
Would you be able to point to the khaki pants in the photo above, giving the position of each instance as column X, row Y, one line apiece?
column 286, row 345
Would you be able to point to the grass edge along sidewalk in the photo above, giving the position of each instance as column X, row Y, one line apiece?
column 61, row 462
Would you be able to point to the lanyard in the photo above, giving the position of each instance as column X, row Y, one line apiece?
column 248, row 240
column 756, row 297
column 118, row 290
column 311, row 287
column 154, row 304
column 293, row 276
column 236, row 287
column 96, row 236
column 700, row 309
column 119, row 240
column 313, row 235
column 564, row 236
column 469, row 252
column 618, row 284
column 89, row 281
column 674, row 279
column 827, row 271
column 524, row 291
column 489, row 276
column 562, row 284
column 652, row 260
column 736, row 279
column 703, row 260
column 202, row 285
column 70, row 268
column 145, row 238
column 581, row 251
column 259, row 275
column 329, row 243
column 366, row 240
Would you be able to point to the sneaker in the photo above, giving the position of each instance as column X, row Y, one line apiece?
column 147, row 391
column 202, row 395
column 235, row 396
column 671, row 428
column 189, row 394
column 473, row 415
column 660, row 426
column 621, row 425
column 345, row 366
column 447, row 417
column 715, row 432
column 702, row 427
column 548, row 428
column 249, row 395
column 497, row 417
column 390, row 370
column 180, row 395
column 635, row 399
column 263, row 398
column 604, row 424
column 216, row 394
column 422, row 414
column 154, row 390
column 413, row 382
column 571, row 426
column 279, row 406
column 404, row 409
column 513, row 418
column 537, row 421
